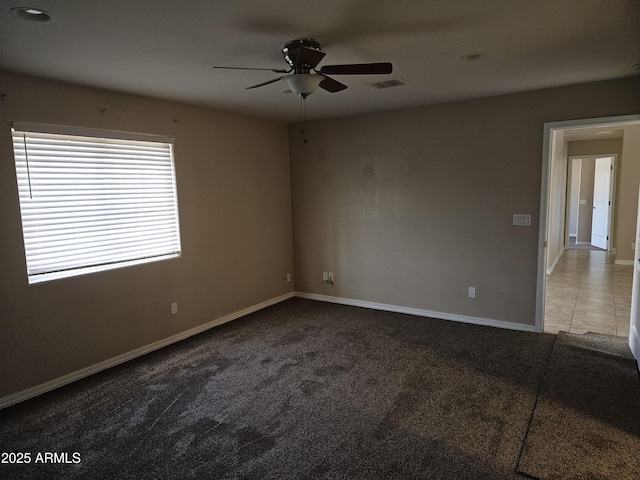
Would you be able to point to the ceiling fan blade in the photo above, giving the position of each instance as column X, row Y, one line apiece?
column 358, row 69
column 274, row 70
column 331, row 85
column 309, row 56
column 274, row 80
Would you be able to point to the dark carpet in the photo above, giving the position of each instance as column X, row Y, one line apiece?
column 300, row 390
column 586, row 423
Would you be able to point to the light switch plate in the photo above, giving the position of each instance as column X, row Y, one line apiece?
column 522, row 219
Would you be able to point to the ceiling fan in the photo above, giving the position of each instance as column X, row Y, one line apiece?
column 303, row 56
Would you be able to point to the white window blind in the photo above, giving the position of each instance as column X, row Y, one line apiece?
column 93, row 202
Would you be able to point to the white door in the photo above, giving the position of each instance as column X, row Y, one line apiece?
column 601, row 203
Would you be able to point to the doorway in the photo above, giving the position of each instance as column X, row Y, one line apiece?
column 554, row 220
column 590, row 201
column 587, row 291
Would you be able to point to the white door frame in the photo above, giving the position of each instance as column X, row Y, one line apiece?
column 634, row 328
column 570, row 201
column 549, row 128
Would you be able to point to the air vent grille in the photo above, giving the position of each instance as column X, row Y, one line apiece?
column 396, row 82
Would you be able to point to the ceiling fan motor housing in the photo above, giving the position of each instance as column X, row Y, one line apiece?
column 291, row 52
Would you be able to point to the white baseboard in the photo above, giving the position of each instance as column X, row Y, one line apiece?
column 419, row 312
column 112, row 362
column 623, row 262
column 555, row 262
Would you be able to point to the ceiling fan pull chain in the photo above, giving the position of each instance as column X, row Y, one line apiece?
column 303, row 114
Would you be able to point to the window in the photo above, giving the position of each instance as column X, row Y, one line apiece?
column 93, row 200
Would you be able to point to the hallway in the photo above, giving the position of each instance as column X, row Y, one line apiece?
column 587, row 292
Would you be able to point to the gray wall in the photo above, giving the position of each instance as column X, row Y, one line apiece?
column 414, row 206
column 233, row 193
column 411, row 208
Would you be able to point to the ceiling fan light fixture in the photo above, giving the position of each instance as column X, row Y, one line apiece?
column 304, row 84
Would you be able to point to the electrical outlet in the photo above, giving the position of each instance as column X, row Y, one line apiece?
column 325, row 276
column 633, row 246
column 472, row 292
column 174, row 308
column 288, row 277
column 330, row 279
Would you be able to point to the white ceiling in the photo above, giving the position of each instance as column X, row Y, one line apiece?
column 166, row 48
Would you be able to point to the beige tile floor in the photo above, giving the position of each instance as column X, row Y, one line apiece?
column 587, row 292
